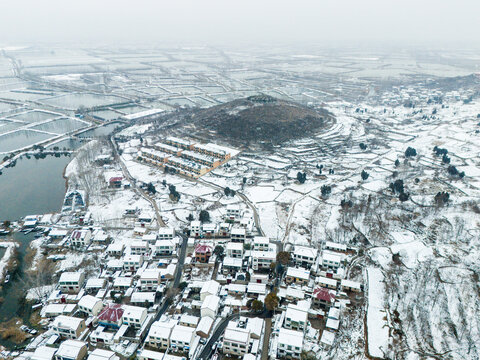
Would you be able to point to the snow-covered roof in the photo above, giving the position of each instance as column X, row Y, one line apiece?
column 88, row 301
column 327, row 281
column 211, row 302
column 295, row 314
column 210, row 287
column 141, row 297
column 304, row 251
column 135, row 312
column 327, row 337
column 205, row 324
column 332, row 324
column 350, row 284
column 257, row 288
column 237, row 335
column 234, row 262
column 71, row 277
column 333, row 245
column 101, row 354
column 67, row 322
column 69, row 349
column 182, row 333
column 189, row 319
column 234, row 246
column 95, row 283
column 299, row 273
column 290, row 337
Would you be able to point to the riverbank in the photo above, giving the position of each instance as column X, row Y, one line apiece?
column 7, row 262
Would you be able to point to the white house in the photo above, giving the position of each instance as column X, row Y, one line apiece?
column 159, row 334
column 150, row 279
column 261, row 243
column 210, row 306
column 71, row 350
column 71, row 282
column 236, row 341
column 181, row 338
column 204, row 326
column 328, row 283
column 115, row 249
column 139, row 247
column 164, row 247
column 262, row 259
column 235, row 250
column 305, row 256
column 68, row 327
column 166, row 233
column 134, row 316
column 290, row 343
column 296, row 317
column 233, row 212
column 81, row 238
column 331, row 260
column 297, row 275
column 90, row 305
column 329, row 245
column 188, row 320
column 132, row 262
column 101, row 354
column 195, row 228
column 210, row 287
column 238, row 234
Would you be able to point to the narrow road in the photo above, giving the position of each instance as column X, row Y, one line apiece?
column 135, row 188
column 177, row 276
column 266, row 338
column 208, row 348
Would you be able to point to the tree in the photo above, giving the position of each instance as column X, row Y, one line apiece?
column 410, row 152
column 397, row 186
column 445, row 159
column 244, row 180
column 219, row 251
column 397, row 163
column 363, row 146
column 442, row 198
column 204, row 216
column 190, row 217
column 403, row 197
column 183, row 285
column 151, row 188
column 271, row 300
column 283, row 257
column 301, row 177
column 227, row 191
column 326, row 190
column 365, row 175
column 257, row 305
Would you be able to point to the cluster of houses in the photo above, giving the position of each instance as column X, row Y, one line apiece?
column 127, row 307
column 184, row 156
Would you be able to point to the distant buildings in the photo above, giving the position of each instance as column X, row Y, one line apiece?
column 185, row 157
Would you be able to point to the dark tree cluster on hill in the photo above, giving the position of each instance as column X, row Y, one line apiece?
column 190, row 217
column 346, row 204
column 301, row 177
column 229, row 192
column 204, row 216
column 440, row 151
column 442, row 198
column 445, row 159
column 326, row 190
column 410, row 152
column 398, row 188
column 151, row 188
column 174, row 195
column 365, row 175
column 452, row 170
column 331, row 171
column 397, row 163
column 363, row 146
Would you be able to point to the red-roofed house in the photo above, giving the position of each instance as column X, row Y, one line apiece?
column 111, row 316
column 115, row 182
column 323, row 297
column 203, row 252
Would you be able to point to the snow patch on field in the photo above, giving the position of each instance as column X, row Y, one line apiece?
column 377, row 326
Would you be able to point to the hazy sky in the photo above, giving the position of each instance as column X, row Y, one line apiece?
column 213, row 22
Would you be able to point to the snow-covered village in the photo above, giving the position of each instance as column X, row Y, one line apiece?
column 174, row 203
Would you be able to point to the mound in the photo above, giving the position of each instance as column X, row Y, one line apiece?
column 261, row 118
